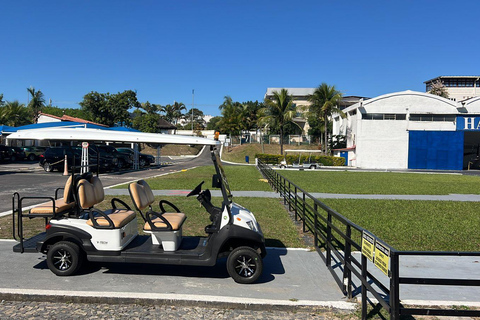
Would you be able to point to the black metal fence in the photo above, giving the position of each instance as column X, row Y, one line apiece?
column 337, row 239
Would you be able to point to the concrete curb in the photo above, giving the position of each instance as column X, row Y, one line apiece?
column 177, row 299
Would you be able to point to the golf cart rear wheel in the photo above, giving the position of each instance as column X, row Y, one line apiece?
column 244, row 265
column 64, row 258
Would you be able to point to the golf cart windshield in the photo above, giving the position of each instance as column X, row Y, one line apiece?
column 225, row 186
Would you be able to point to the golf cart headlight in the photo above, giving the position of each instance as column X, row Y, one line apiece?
column 251, row 225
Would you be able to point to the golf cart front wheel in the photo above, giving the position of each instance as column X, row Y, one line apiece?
column 244, row 265
column 64, row 258
column 47, row 167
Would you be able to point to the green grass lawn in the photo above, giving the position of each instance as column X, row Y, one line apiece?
column 416, row 225
column 383, row 182
column 240, row 178
column 277, row 227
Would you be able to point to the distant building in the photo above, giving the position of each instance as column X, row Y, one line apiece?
column 300, row 97
column 459, row 88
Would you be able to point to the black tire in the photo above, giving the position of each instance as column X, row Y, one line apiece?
column 47, row 167
column 312, row 167
column 121, row 163
column 244, row 265
column 282, row 166
column 32, row 157
column 142, row 162
column 13, row 158
column 64, row 258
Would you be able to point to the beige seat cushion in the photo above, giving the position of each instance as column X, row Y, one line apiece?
column 60, row 206
column 119, row 218
column 176, row 219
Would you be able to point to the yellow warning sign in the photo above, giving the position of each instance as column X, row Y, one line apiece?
column 382, row 257
column 368, row 243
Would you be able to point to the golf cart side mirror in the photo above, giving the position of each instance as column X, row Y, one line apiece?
column 216, row 183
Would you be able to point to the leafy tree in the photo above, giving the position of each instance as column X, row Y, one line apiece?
column 145, row 122
column 110, row 109
column 15, row 114
column 439, row 89
column 73, row 112
column 198, row 122
column 279, row 111
column 36, row 103
column 325, row 101
column 214, row 123
column 1, row 100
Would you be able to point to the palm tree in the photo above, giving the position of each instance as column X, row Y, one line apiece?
column 325, row 101
column 279, row 111
column 36, row 103
column 232, row 116
column 14, row 114
column 173, row 112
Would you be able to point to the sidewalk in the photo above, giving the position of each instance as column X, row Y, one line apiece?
column 272, row 194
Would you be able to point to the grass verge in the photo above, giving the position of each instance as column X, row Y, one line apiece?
column 277, row 227
column 237, row 153
column 416, row 225
column 383, row 182
column 240, row 179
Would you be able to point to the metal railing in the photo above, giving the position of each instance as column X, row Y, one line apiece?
column 336, row 239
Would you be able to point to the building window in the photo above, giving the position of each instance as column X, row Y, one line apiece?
column 381, row 116
column 432, row 117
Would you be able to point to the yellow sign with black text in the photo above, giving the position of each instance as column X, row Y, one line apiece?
column 382, row 257
column 368, row 243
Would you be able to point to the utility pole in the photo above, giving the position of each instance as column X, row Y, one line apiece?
column 193, row 104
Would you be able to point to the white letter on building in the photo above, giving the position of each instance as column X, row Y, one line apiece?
column 469, row 123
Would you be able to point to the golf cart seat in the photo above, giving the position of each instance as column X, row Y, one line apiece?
column 58, row 206
column 165, row 227
column 90, row 194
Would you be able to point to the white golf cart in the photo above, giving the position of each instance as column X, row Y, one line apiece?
column 77, row 232
column 307, row 164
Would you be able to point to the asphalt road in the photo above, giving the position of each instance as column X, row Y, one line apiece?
column 28, row 179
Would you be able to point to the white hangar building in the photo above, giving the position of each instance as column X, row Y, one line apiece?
column 411, row 130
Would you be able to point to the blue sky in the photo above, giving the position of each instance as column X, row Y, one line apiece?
column 164, row 49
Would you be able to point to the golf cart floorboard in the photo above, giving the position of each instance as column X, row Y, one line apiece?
column 142, row 250
column 30, row 245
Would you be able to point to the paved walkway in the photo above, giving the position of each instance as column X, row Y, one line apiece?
column 271, row 194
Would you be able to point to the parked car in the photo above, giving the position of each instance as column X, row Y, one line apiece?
column 53, row 158
column 123, row 159
column 18, row 154
column 33, row 153
column 5, row 153
column 143, row 159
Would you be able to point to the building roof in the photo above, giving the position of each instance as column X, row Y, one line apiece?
column 292, row 91
column 164, row 124
column 452, row 77
column 72, row 119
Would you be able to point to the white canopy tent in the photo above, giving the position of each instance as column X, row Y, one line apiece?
column 99, row 135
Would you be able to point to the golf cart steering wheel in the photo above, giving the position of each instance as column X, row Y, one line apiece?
column 196, row 191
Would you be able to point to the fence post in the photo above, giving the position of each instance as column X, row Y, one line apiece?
column 395, row 287
column 303, row 212
column 290, row 198
column 347, row 272
column 364, row 287
column 295, row 204
column 329, row 240
column 284, row 188
column 315, row 209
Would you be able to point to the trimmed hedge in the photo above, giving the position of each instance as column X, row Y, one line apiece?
column 325, row 160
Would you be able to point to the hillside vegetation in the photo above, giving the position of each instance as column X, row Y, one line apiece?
column 238, row 153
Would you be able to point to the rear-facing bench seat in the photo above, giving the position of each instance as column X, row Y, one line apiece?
column 165, row 227
column 56, row 207
column 89, row 194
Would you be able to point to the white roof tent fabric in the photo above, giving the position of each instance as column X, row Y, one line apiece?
column 85, row 134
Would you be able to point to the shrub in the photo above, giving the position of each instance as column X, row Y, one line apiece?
column 325, row 160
